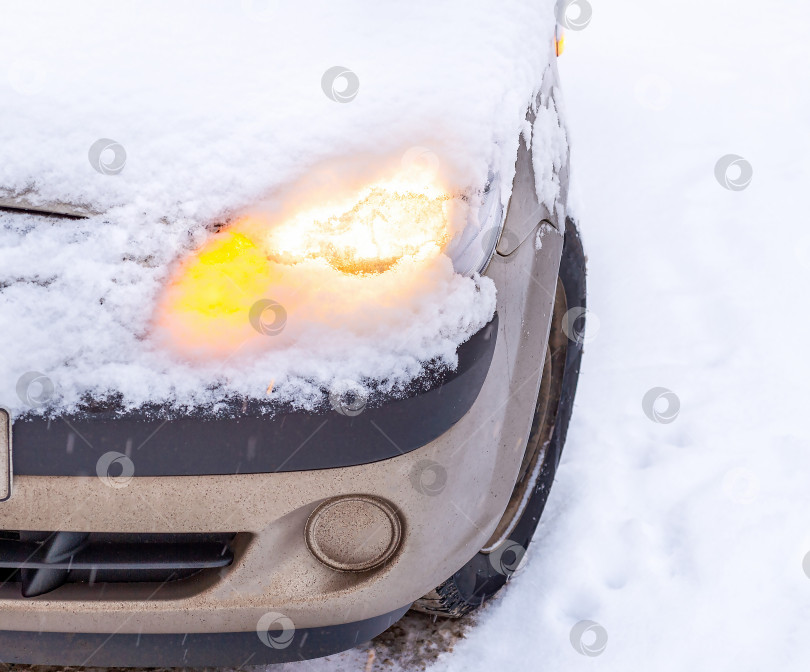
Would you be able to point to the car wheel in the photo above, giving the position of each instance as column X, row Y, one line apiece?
column 490, row 569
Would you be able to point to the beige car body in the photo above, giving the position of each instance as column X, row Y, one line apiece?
column 273, row 568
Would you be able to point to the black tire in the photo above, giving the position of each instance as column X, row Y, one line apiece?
column 486, row 573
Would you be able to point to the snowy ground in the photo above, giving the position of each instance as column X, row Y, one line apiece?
column 683, row 540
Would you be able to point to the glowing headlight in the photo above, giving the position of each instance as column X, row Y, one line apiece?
column 368, row 233
column 472, row 250
column 331, row 263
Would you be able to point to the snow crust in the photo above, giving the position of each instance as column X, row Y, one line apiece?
column 220, row 109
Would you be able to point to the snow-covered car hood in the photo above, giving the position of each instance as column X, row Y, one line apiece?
column 205, row 110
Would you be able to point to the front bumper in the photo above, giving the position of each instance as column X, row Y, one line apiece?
column 245, row 443
column 183, row 650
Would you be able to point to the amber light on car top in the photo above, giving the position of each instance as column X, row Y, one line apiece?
column 559, row 41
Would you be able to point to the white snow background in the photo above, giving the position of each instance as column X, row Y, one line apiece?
column 685, row 541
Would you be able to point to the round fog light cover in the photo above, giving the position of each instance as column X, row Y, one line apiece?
column 354, row 533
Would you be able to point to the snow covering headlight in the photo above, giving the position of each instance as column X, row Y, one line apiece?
column 390, row 221
column 472, row 250
column 335, row 260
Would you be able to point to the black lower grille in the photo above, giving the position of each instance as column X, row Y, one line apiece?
column 43, row 561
